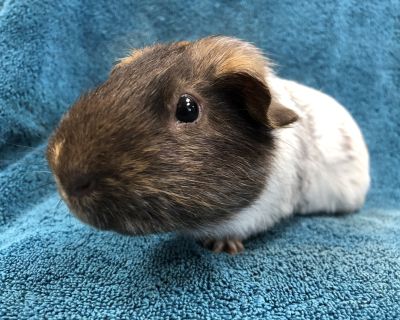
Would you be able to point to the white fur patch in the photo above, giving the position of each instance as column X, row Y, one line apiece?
column 321, row 164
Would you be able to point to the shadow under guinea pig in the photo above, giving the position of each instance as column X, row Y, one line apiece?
column 181, row 262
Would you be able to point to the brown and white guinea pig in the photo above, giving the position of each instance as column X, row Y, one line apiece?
column 204, row 139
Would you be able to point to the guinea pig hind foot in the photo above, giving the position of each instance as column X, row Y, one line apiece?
column 231, row 246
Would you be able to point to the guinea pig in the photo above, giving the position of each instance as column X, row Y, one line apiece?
column 204, row 139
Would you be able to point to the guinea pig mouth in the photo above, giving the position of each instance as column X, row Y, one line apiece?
column 99, row 221
column 88, row 217
column 118, row 220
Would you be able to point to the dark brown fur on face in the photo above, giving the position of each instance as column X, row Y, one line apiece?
column 146, row 172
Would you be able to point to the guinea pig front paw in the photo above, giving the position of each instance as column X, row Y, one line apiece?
column 231, row 246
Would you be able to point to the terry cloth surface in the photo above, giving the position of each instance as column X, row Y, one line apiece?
column 318, row 267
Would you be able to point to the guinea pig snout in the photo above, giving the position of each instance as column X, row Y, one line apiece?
column 81, row 185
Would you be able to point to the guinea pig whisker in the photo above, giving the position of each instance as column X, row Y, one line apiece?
column 42, row 186
column 58, row 204
column 56, row 207
column 30, row 171
column 19, row 145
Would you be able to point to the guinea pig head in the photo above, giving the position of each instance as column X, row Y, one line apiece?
column 179, row 137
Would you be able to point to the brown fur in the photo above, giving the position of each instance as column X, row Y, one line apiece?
column 153, row 173
column 135, row 54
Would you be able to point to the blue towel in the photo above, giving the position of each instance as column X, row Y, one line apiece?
column 318, row 267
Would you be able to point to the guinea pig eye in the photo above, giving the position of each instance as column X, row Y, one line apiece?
column 187, row 109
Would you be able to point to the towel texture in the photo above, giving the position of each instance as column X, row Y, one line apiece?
column 318, row 267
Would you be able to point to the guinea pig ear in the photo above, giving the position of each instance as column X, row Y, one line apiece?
column 243, row 88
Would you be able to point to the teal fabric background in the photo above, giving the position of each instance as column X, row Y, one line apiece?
column 307, row 267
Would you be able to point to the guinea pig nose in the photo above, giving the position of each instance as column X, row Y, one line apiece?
column 82, row 185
